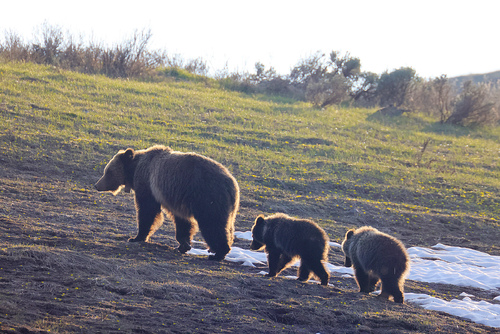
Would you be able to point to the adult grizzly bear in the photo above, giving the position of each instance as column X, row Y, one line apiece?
column 376, row 256
column 286, row 239
column 191, row 188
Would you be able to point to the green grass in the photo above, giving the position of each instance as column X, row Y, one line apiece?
column 73, row 123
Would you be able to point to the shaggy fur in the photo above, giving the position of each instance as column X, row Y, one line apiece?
column 286, row 239
column 194, row 190
column 376, row 256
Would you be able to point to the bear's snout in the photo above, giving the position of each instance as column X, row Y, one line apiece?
column 99, row 185
column 255, row 245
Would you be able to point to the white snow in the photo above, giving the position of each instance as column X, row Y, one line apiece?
column 455, row 265
column 478, row 311
column 438, row 264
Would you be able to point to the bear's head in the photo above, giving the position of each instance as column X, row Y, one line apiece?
column 114, row 178
column 258, row 233
column 345, row 247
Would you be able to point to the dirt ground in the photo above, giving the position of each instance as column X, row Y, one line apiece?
column 66, row 267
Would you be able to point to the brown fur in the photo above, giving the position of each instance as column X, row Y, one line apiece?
column 287, row 239
column 376, row 256
column 194, row 190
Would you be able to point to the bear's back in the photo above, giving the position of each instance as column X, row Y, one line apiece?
column 188, row 181
column 377, row 249
column 298, row 236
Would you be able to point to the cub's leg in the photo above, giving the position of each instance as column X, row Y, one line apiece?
column 283, row 263
column 318, row 268
column 273, row 258
column 362, row 279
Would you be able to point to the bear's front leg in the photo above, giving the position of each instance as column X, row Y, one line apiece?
column 149, row 217
column 283, row 263
column 273, row 258
column 362, row 279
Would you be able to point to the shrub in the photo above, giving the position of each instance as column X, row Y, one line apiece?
column 307, row 70
column 14, row 48
column 474, row 106
column 48, row 46
column 51, row 46
column 444, row 96
column 327, row 91
column 433, row 97
column 364, row 89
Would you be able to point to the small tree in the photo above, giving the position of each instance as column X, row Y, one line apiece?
column 262, row 75
column 347, row 66
column 306, row 71
column 393, row 87
column 325, row 81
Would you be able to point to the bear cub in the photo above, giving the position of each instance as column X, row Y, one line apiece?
column 194, row 191
column 286, row 239
column 376, row 256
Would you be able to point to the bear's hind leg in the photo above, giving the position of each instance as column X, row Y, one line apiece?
column 304, row 272
column 318, row 268
column 218, row 238
column 373, row 283
column 390, row 287
column 184, row 231
column 149, row 219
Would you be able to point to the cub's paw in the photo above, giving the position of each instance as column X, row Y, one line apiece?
column 183, row 248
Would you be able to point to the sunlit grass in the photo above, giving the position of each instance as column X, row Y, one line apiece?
column 72, row 124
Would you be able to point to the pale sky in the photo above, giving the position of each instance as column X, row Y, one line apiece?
column 434, row 37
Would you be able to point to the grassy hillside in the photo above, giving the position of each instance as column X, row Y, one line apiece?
column 63, row 251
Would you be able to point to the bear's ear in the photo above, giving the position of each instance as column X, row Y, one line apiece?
column 349, row 234
column 260, row 219
column 128, row 155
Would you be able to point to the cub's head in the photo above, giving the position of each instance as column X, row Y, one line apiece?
column 258, row 233
column 115, row 178
column 345, row 247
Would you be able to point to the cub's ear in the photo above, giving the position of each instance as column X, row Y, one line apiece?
column 349, row 234
column 128, row 155
column 260, row 219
